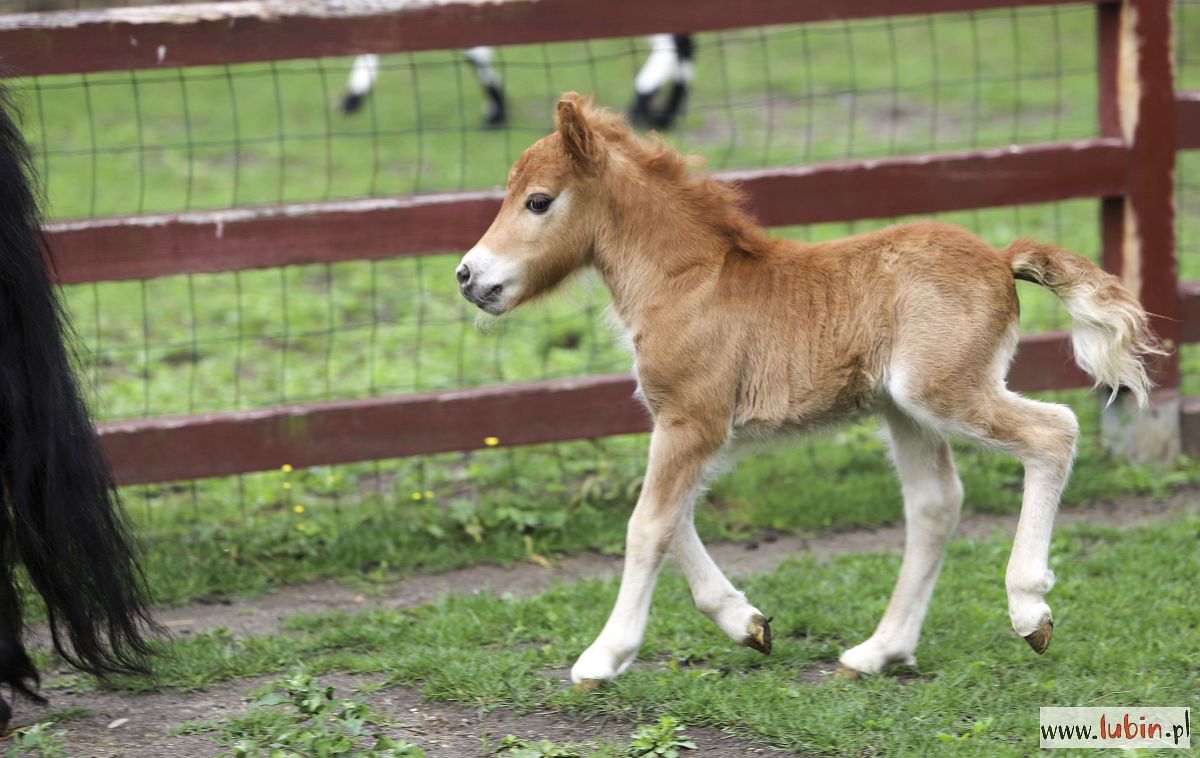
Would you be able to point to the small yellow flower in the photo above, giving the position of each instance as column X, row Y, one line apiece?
column 298, row 508
column 428, row 495
column 300, row 526
column 287, row 485
column 491, row 441
column 286, row 468
column 331, row 479
column 416, row 496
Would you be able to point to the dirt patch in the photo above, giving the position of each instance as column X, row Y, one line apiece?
column 264, row 614
column 442, row 729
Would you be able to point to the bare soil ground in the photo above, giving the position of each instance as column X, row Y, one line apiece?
column 450, row 730
column 443, row 730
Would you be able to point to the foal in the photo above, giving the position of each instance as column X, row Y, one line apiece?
column 739, row 336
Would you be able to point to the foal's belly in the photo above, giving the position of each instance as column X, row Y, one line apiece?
column 808, row 417
column 818, row 393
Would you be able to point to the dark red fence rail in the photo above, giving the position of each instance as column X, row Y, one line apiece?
column 1128, row 166
column 219, row 444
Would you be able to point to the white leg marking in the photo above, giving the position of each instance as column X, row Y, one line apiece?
column 932, row 502
column 661, row 67
column 482, row 57
column 362, row 76
column 1042, row 436
column 646, row 540
column 1029, row 577
column 712, row 592
column 673, row 480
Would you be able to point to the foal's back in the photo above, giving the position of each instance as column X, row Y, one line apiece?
column 927, row 303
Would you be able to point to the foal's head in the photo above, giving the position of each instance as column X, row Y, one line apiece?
column 547, row 224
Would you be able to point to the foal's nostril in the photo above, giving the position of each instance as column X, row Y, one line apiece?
column 463, row 273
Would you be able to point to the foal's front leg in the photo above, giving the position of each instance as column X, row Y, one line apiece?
column 679, row 455
column 714, row 595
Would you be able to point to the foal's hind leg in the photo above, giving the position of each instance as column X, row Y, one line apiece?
column 1042, row 436
column 932, row 501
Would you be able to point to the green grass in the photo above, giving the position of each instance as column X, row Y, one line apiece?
column 173, row 140
column 1126, row 634
column 44, row 739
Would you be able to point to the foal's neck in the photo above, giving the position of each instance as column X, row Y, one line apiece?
column 667, row 239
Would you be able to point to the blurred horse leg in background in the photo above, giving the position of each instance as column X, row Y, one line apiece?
column 495, row 110
column 671, row 60
column 655, row 106
column 361, row 82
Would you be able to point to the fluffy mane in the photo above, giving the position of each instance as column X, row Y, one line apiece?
column 719, row 205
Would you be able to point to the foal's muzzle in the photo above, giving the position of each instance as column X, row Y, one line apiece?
column 463, row 272
column 483, row 280
column 486, row 298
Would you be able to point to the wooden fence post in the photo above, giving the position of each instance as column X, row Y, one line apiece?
column 1137, row 103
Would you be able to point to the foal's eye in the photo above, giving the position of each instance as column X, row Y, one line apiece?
column 538, row 203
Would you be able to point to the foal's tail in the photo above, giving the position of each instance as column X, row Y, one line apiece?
column 59, row 516
column 1110, row 331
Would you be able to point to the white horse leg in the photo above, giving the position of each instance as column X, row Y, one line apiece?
column 678, row 458
column 360, row 83
column 661, row 67
column 932, row 502
column 496, row 112
column 1042, row 436
column 1047, row 448
column 713, row 593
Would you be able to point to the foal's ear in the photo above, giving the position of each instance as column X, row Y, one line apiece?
column 579, row 139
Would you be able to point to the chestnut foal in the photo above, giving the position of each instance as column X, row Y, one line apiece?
column 738, row 336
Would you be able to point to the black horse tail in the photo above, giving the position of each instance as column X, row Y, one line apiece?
column 60, row 518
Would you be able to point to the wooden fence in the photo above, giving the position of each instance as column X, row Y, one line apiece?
column 1129, row 166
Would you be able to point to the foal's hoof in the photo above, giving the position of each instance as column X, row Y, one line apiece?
column 845, row 672
column 1040, row 639
column 588, row 685
column 758, row 635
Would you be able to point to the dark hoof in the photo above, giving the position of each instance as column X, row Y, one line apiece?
column 495, row 112
column 639, row 111
column 845, row 672
column 352, row 103
column 758, row 635
column 644, row 113
column 1040, row 639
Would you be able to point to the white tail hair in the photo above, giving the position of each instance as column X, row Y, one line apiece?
column 1110, row 331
